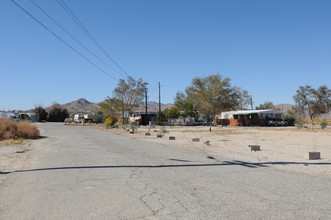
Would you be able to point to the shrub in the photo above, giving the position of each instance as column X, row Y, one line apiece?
column 324, row 124
column 7, row 129
column 290, row 120
column 110, row 121
column 299, row 123
column 27, row 130
column 13, row 130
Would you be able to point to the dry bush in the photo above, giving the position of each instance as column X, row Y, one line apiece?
column 7, row 129
column 13, row 130
column 27, row 130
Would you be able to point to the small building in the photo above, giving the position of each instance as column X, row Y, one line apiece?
column 142, row 118
column 248, row 117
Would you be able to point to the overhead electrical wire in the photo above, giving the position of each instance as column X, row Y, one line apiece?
column 77, row 21
column 63, row 41
column 75, row 39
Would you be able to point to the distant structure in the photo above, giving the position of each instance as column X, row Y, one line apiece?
column 14, row 116
column 142, row 118
column 248, row 117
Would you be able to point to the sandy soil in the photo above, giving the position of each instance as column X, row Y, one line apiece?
column 12, row 156
column 283, row 148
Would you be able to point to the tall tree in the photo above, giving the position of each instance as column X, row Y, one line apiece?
column 244, row 98
column 110, row 107
column 266, row 105
column 129, row 93
column 57, row 114
column 41, row 114
column 172, row 112
column 315, row 101
column 212, row 95
column 184, row 106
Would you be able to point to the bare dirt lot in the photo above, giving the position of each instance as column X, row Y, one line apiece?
column 13, row 154
column 281, row 147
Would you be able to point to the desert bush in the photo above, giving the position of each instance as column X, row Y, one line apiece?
column 290, row 120
column 13, row 130
column 27, row 130
column 7, row 129
column 299, row 123
column 324, row 124
column 110, row 121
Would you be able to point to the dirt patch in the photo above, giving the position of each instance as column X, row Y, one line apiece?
column 12, row 155
column 281, row 147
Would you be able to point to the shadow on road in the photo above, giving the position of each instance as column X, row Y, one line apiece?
column 224, row 163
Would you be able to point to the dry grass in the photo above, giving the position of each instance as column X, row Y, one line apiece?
column 13, row 130
column 317, row 121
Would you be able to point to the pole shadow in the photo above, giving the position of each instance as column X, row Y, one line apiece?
column 224, row 163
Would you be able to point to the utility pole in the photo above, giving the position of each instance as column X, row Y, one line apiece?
column 145, row 118
column 159, row 100
column 251, row 102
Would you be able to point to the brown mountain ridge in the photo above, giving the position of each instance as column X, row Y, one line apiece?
column 82, row 105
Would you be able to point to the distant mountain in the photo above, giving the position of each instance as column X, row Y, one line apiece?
column 80, row 105
column 153, row 106
column 286, row 107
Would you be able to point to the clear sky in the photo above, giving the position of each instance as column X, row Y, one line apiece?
column 268, row 47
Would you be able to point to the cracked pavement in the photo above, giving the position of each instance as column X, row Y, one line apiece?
column 84, row 173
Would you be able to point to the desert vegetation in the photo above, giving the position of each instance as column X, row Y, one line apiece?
column 17, row 130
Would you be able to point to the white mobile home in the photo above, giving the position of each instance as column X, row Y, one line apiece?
column 248, row 117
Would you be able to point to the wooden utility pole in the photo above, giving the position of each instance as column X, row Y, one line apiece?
column 159, row 101
column 145, row 118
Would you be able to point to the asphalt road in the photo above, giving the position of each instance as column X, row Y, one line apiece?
column 85, row 173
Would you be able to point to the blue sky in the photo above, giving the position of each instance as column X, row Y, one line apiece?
column 268, row 47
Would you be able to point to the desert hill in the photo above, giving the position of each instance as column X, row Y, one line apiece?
column 286, row 107
column 82, row 105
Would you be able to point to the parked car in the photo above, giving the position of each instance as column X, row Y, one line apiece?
column 199, row 122
column 277, row 122
column 68, row 120
column 15, row 118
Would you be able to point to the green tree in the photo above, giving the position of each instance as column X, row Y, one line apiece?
column 110, row 108
column 41, row 114
column 129, row 93
column 266, row 105
column 185, row 107
column 172, row 112
column 315, row 101
column 212, row 94
column 57, row 114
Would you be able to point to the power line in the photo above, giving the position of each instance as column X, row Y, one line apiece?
column 75, row 39
column 60, row 39
column 76, row 20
